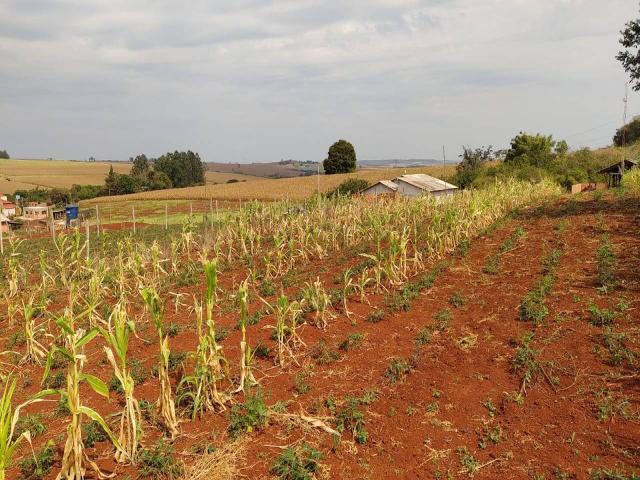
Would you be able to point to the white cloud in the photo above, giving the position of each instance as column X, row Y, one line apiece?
column 254, row 80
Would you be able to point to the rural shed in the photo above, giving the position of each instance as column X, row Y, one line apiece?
column 614, row 172
column 420, row 183
column 383, row 187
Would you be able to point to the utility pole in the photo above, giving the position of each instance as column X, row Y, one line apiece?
column 318, row 178
column 624, row 122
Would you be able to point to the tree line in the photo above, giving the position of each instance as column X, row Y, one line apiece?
column 171, row 170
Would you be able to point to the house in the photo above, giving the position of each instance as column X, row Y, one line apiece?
column 8, row 208
column 614, row 172
column 383, row 187
column 419, row 183
column 35, row 211
column 411, row 186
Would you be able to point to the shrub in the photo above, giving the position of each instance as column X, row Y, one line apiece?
column 300, row 464
column 159, row 463
column 397, row 370
column 247, row 416
column 39, row 465
column 352, row 341
column 348, row 187
column 93, row 433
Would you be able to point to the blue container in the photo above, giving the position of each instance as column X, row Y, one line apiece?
column 71, row 213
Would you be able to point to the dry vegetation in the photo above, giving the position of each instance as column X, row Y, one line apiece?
column 27, row 174
column 298, row 188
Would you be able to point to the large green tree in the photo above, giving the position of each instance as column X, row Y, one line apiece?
column 341, row 158
column 630, row 55
column 536, row 150
column 140, row 166
column 4, row 154
column 184, row 169
column 627, row 134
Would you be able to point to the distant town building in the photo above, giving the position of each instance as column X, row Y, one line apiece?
column 8, row 208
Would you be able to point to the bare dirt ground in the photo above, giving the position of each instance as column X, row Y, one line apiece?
column 437, row 390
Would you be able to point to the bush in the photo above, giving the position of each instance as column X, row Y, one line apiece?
column 349, row 187
column 37, row 466
column 159, row 463
column 297, row 465
column 251, row 414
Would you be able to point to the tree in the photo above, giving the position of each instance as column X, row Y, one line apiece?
column 627, row 134
column 535, row 150
column 341, row 158
column 473, row 159
column 157, row 180
column 140, row 166
column 184, row 169
column 630, row 56
column 4, row 154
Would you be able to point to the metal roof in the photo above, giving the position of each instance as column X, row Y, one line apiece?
column 425, row 182
column 615, row 168
column 387, row 183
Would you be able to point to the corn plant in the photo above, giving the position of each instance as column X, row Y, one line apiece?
column 246, row 375
column 35, row 351
column 130, row 419
column 74, row 460
column 319, row 302
column 166, row 405
column 8, row 419
column 201, row 387
column 287, row 337
column 347, row 288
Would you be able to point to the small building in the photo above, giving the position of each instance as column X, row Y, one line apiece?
column 3, row 198
column 411, row 186
column 8, row 208
column 37, row 211
column 383, row 187
column 420, row 183
column 614, row 172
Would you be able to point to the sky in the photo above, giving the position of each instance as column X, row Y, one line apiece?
column 257, row 80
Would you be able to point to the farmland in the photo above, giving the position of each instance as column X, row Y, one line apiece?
column 298, row 188
column 27, row 174
column 411, row 340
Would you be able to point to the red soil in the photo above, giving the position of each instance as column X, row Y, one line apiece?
column 422, row 426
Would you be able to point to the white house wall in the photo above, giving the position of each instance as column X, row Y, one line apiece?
column 377, row 189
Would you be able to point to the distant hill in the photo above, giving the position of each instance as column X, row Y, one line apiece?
column 297, row 168
column 282, row 169
column 402, row 162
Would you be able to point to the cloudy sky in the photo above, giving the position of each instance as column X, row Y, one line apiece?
column 259, row 80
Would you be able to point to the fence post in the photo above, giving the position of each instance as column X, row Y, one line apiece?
column 53, row 226
column 133, row 211
column 211, row 214
column 166, row 216
column 86, row 231
column 1, row 233
column 97, row 220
